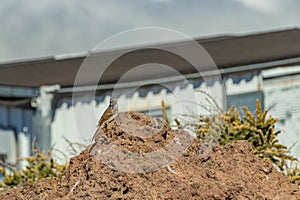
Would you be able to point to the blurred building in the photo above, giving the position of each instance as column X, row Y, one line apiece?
column 38, row 100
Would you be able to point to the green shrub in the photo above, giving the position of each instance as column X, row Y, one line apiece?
column 39, row 165
column 257, row 129
column 226, row 126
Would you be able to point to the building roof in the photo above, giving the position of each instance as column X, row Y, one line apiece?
column 226, row 51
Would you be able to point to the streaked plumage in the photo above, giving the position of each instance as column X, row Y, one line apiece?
column 109, row 115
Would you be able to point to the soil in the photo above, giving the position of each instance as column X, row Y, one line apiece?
column 228, row 172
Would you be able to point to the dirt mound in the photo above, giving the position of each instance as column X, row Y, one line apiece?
column 229, row 172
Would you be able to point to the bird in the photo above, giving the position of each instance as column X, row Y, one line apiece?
column 109, row 115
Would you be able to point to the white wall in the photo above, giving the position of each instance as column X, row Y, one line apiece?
column 78, row 123
column 282, row 96
column 254, row 84
column 9, row 145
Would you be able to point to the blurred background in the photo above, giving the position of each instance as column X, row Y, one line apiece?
column 253, row 43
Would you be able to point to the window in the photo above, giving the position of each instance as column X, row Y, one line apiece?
column 3, row 157
column 155, row 112
column 245, row 99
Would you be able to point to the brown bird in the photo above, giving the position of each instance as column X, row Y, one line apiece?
column 109, row 115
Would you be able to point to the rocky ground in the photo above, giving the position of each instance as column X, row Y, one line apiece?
column 229, row 172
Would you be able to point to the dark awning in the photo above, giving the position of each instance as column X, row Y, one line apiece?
column 227, row 52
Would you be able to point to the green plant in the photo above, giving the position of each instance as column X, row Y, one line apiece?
column 256, row 128
column 292, row 170
column 164, row 112
column 223, row 127
column 39, row 165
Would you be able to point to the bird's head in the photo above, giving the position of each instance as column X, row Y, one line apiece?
column 113, row 102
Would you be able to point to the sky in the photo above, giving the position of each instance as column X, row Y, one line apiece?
column 33, row 29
